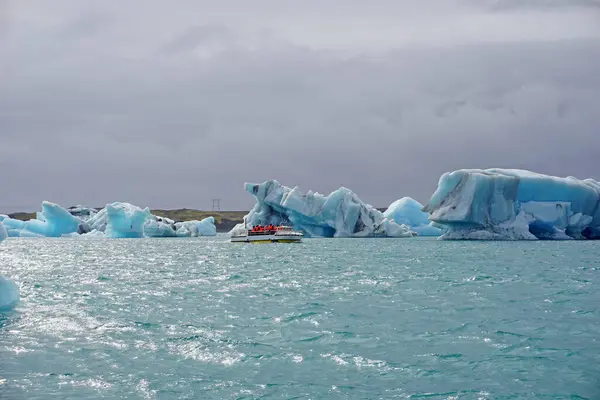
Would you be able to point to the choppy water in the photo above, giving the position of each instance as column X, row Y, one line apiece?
column 340, row 319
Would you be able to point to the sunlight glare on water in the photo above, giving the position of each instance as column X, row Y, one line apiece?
column 327, row 318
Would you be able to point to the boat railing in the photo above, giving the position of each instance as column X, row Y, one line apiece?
column 281, row 230
column 259, row 233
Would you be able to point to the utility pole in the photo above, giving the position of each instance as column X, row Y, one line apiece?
column 216, row 204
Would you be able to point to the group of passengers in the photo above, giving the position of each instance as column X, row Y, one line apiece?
column 261, row 228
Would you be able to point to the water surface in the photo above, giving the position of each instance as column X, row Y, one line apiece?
column 325, row 319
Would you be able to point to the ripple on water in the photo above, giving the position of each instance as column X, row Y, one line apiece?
column 202, row 318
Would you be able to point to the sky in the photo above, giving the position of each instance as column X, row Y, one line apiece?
column 171, row 104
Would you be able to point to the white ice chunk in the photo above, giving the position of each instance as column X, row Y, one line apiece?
column 409, row 212
column 206, row 227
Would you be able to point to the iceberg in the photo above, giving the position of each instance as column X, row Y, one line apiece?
column 124, row 220
column 52, row 221
column 206, row 227
column 409, row 212
column 9, row 293
column 97, row 222
column 340, row 214
column 82, row 212
column 128, row 221
column 13, row 226
column 116, row 220
column 512, row 204
column 3, row 233
column 121, row 220
column 159, row 227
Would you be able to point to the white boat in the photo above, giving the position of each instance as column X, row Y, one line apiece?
column 279, row 234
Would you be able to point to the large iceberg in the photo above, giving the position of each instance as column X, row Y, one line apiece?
column 341, row 214
column 9, row 293
column 509, row 204
column 409, row 212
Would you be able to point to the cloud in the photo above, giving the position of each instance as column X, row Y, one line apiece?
column 170, row 106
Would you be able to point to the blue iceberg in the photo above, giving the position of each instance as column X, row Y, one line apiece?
column 9, row 293
column 52, row 221
column 206, row 227
column 510, row 204
column 341, row 214
column 13, row 226
column 3, row 233
column 409, row 212
column 116, row 220
column 160, row 227
column 119, row 220
column 82, row 212
column 124, row 220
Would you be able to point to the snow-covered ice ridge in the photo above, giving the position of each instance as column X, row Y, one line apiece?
column 116, row 220
column 340, row 214
column 511, row 204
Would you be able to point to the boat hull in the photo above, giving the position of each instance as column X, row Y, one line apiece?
column 267, row 239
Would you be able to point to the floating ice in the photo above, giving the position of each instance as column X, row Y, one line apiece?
column 341, row 214
column 409, row 212
column 166, row 227
column 9, row 294
column 159, row 227
column 82, row 212
column 124, row 220
column 13, row 226
column 116, row 220
column 97, row 222
column 54, row 221
column 508, row 204
column 3, row 233
column 206, row 227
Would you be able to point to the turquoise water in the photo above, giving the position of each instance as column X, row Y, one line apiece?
column 325, row 319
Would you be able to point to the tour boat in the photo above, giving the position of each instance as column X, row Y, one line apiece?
column 266, row 234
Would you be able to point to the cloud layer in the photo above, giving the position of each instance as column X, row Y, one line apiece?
column 171, row 105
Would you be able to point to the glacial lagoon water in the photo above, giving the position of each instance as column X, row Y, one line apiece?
column 325, row 319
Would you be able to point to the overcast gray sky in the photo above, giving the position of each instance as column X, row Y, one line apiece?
column 169, row 104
